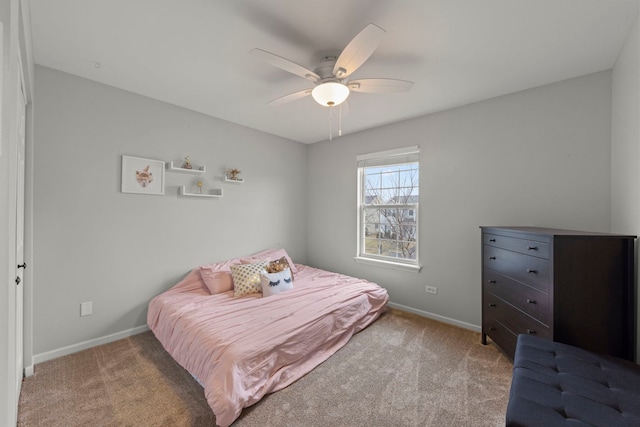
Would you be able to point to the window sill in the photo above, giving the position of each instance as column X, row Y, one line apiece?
column 388, row 264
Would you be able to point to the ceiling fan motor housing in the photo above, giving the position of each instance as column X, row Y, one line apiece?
column 325, row 69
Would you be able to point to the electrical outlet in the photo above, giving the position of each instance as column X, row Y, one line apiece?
column 86, row 308
column 432, row 290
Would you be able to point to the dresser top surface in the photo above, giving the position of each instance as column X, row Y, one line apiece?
column 551, row 232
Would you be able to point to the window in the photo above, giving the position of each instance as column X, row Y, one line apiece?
column 388, row 195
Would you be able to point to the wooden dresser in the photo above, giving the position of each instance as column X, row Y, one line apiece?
column 568, row 286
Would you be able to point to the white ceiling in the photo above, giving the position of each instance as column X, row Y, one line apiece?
column 194, row 53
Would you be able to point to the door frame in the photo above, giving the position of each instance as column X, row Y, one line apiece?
column 15, row 46
column 20, row 154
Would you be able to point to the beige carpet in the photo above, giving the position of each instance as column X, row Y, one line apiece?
column 404, row 370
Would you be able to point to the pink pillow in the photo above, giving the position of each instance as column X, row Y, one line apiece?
column 217, row 281
column 217, row 277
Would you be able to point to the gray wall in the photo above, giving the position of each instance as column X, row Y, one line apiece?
column 540, row 157
column 94, row 243
column 625, row 141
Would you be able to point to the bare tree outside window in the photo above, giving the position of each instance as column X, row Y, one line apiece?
column 389, row 211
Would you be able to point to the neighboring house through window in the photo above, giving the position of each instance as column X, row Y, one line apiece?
column 388, row 196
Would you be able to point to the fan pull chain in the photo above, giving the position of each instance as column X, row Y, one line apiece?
column 330, row 124
column 340, row 121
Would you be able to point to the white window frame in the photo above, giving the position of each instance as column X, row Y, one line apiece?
column 388, row 157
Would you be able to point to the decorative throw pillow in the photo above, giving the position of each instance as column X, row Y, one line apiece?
column 216, row 281
column 275, row 283
column 246, row 278
column 217, row 276
column 272, row 254
column 280, row 265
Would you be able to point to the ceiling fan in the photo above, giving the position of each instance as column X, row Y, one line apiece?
column 330, row 78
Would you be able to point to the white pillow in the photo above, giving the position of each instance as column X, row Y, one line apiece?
column 275, row 283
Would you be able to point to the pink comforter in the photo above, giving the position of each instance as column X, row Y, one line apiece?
column 243, row 348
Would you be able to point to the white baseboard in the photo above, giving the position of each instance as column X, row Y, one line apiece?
column 28, row 370
column 443, row 319
column 74, row 348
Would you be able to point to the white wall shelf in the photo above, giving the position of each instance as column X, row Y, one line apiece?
column 235, row 181
column 173, row 168
column 214, row 193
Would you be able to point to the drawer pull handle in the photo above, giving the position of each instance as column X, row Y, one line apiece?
column 532, row 271
column 531, row 301
column 492, row 257
column 492, row 328
column 492, row 240
column 531, row 332
column 532, row 248
column 492, row 305
column 492, row 281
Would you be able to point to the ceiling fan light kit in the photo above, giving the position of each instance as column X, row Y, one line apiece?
column 330, row 78
column 330, row 94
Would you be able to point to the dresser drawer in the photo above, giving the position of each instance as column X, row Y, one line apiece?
column 519, row 323
column 530, row 300
column 523, row 246
column 530, row 270
column 500, row 334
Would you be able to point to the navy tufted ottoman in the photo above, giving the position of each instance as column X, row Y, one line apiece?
column 556, row 384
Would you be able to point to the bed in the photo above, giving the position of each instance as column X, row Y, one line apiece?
column 243, row 346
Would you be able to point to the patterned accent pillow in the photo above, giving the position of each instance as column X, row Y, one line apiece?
column 275, row 283
column 272, row 266
column 282, row 264
column 246, row 278
column 272, row 254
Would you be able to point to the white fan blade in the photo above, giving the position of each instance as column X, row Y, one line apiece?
column 358, row 50
column 379, row 85
column 285, row 64
column 291, row 97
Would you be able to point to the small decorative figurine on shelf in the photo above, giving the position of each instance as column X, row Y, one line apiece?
column 187, row 163
column 198, row 186
column 233, row 174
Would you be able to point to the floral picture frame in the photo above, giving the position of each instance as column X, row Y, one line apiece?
column 142, row 176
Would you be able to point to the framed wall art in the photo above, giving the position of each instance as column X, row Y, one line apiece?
column 142, row 176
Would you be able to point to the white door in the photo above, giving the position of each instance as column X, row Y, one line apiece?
column 20, row 267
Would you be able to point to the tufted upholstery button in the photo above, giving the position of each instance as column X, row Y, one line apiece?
column 555, row 384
